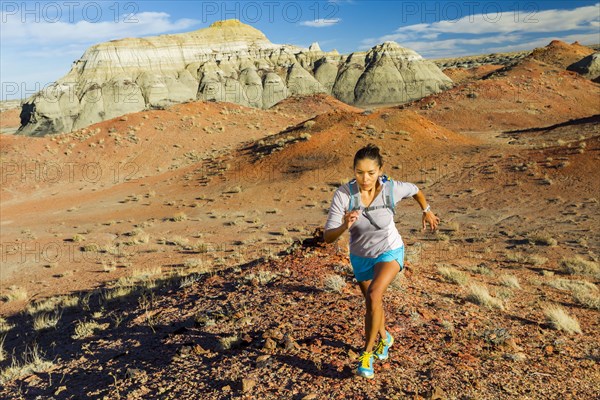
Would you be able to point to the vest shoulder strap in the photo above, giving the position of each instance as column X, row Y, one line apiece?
column 388, row 196
column 354, row 196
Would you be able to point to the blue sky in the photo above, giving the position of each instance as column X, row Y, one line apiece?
column 39, row 40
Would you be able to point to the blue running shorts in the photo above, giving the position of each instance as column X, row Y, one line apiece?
column 364, row 267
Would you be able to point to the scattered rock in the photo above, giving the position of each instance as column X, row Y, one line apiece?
column 59, row 390
column 437, row 394
column 352, row 355
column 248, row 384
column 270, row 344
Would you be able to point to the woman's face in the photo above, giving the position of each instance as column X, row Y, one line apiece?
column 366, row 172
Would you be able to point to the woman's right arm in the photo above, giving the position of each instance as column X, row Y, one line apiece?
column 331, row 235
column 338, row 218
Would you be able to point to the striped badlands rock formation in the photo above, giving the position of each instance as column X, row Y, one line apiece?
column 228, row 61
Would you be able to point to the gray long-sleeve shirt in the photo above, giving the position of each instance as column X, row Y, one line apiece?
column 365, row 239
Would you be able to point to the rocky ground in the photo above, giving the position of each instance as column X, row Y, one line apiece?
column 199, row 273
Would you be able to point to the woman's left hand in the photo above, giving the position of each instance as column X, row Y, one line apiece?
column 430, row 218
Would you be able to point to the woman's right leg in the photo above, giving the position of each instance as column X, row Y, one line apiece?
column 364, row 287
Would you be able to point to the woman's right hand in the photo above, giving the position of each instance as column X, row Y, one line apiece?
column 350, row 217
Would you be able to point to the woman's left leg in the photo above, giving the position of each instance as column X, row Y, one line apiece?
column 384, row 274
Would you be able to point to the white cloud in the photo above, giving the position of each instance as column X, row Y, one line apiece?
column 509, row 31
column 454, row 47
column 544, row 41
column 15, row 32
column 531, row 22
column 35, row 53
column 320, row 23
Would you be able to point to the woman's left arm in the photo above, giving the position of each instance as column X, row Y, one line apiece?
column 428, row 215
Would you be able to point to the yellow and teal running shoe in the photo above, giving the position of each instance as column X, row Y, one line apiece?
column 365, row 365
column 383, row 347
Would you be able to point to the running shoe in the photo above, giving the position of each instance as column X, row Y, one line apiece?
column 383, row 347
column 365, row 365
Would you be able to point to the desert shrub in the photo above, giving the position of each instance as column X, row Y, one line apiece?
column 263, row 277
column 572, row 285
column 558, row 318
column 510, row 281
column 453, row 275
column 543, row 239
column 85, row 329
column 46, row 321
column 334, row 283
column 479, row 295
column 578, row 266
column 586, row 298
column 229, row 342
column 14, row 293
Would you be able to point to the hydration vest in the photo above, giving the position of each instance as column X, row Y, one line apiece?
column 388, row 196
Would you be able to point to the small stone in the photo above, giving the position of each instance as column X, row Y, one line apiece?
column 270, row 344
column 273, row 334
column 519, row 357
column 247, row 339
column 310, row 396
column 352, row 355
column 264, row 357
column 132, row 372
column 438, row 394
column 290, row 343
column 32, row 378
column 248, row 384
column 226, row 388
column 513, row 345
column 199, row 349
column 60, row 389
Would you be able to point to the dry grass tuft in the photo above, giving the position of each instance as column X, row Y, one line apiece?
column 5, row 326
column 560, row 320
column 14, row 293
column 586, row 298
column 510, row 281
column 261, row 277
column 572, row 285
column 51, row 304
column 85, row 329
column 481, row 269
column 542, row 239
column 32, row 363
column 532, row 259
column 181, row 216
column 453, row 275
column 229, row 342
column 46, row 320
column 334, row 283
column 480, row 295
column 578, row 266
column 2, row 351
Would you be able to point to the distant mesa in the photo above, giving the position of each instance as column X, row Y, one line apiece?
column 228, row 61
column 561, row 54
column 588, row 66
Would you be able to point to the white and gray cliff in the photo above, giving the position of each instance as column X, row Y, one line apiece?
column 228, row 61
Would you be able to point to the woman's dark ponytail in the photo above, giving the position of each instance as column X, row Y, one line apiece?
column 371, row 152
